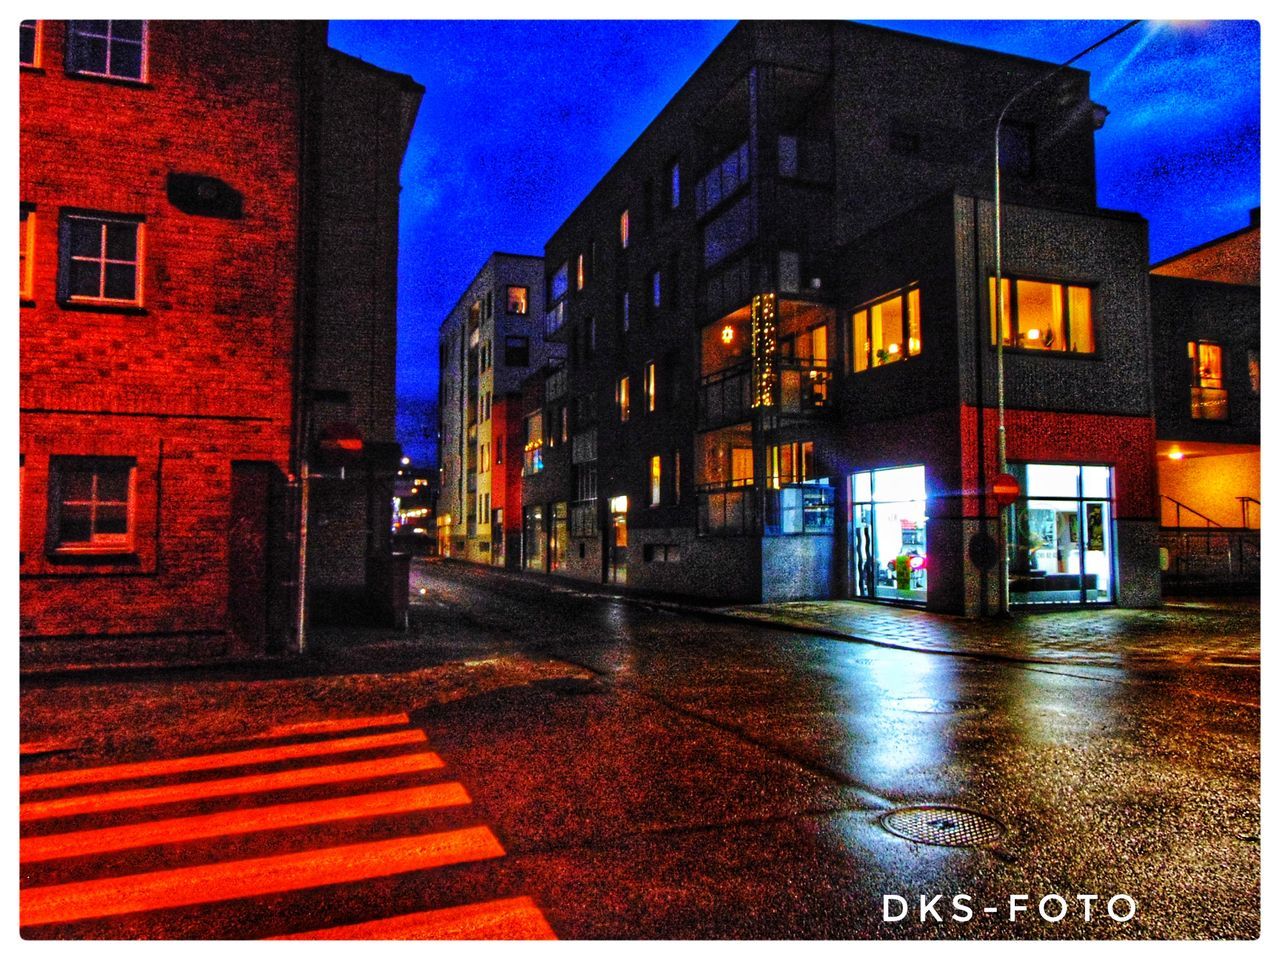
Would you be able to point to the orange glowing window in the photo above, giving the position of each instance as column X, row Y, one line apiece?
column 655, row 481
column 518, row 300
column 1208, row 386
column 91, row 503
column 582, row 270
column 1040, row 315
column 29, row 43
column 887, row 329
column 650, row 386
column 108, row 48
column 624, row 228
column 26, row 252
column 101, row 259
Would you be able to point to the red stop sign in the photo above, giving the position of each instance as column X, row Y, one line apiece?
column 1005, row 489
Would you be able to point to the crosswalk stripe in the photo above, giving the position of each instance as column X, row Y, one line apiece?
column 256, row 783
column 335, row 726
column 230, row 822
column 66, row 903
column 211, row 761
column 514, row 919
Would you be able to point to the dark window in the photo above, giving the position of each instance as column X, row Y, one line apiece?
column 722, row 181
column 108, row 48
column 518, row 300
column 673, row 184
column 559, row 285
column 91, row 503
column 655, row 288
column 904, row 142
column 100, row 259
column 29, row 43
column 727, row 233
column 517, row 352
column 1017, row 147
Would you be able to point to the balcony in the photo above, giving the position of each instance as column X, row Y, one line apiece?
column 803, row 389
column 583, row 518
column 554, row 320
column 739, row 509
column 584, row 447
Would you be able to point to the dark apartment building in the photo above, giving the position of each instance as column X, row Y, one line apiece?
column 181, row 212
column 490, row 341
column 778, row 315
column 1206, row 330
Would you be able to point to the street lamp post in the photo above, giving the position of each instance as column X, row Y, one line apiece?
column 1003, row 529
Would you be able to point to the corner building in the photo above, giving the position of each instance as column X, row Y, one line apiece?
column 184, row 201
column 781, row 365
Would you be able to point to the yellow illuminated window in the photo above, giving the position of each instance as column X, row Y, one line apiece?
column 1041, row 315
column 26, row 252
column 623, row 395
column 887, row 329
column 518, row 300
column 655, row 481
column 650, row 387
column 582, row 270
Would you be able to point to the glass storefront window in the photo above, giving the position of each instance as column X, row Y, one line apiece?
column 888, row 543
column 535, row 539
column 1061, row 541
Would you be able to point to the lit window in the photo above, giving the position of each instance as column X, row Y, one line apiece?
column 29, row 43
column 101, row 257
column 26, row 251
column 887, row 330
column 1040, row 315
column 1208, row 388
column 91, row 503
column 655, row 481
column 582, row 270
column 650, row 386
column 108, row 48
column 624, row 228
column 622, row 394
column 1255, row 372
column 518, row 300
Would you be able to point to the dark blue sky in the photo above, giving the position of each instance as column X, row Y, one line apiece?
column 521, row 119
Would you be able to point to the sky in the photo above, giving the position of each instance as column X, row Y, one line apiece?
column 520, row 119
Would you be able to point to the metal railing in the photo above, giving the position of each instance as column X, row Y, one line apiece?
column 739, row 509
column 1179, row 508
column 1244, row 509
column 724, row 397
column 801, row 388
column 1202, row 555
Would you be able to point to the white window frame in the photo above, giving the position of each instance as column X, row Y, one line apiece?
column 74, row 31
column 97, row 543
column 102, row 260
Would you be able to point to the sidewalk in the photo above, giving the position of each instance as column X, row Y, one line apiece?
column 1182, row 633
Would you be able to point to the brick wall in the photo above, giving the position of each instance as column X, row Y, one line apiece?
column 201, row 374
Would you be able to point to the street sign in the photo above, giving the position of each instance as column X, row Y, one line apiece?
column 1005, row 489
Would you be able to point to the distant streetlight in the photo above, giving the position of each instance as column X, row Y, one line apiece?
column 1099, row 116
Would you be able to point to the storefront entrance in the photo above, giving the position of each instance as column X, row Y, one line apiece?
column 887, row 546
column 617, row 572
column 535, row 539
column 1061, row 542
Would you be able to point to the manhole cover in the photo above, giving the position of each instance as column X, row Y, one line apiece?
column 930, row 705
column 943, row 826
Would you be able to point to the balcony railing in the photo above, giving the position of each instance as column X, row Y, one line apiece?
column 724, row 397
column 744, row 509
column 555, row 319
column 583, row 520
column 801, row 388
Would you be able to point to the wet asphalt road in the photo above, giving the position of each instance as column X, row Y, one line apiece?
column 697, row 779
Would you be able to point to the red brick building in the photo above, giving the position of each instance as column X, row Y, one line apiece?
column 163, row 265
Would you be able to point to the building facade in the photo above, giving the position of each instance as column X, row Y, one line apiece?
column 780, row 343
column 167, row 232
column 490, row 341
column 1206, row 327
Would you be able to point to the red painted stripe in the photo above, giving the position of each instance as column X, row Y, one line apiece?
column 336, row 726
column 211, row 761
column 254, row 820
column 69, row 902
column 257, row 783
column 514, row 919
